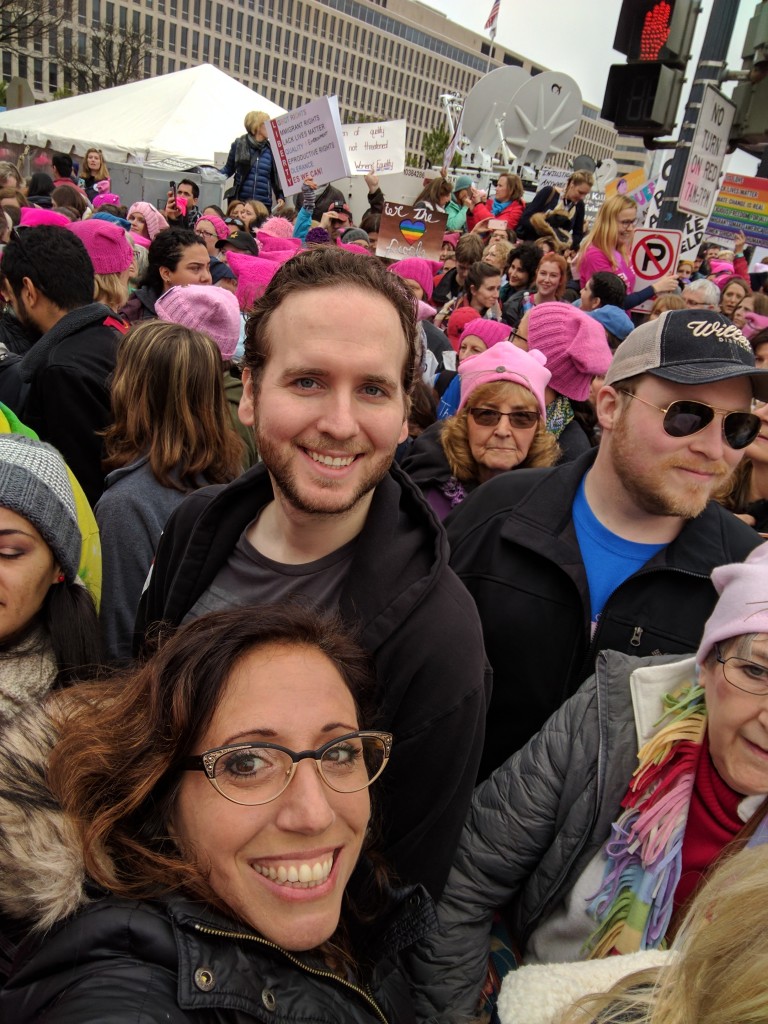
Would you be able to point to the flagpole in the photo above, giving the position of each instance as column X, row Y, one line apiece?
column 490, row 25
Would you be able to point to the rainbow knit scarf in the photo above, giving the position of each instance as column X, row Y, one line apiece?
column 634, row 904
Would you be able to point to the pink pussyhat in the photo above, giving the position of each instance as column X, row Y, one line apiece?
column 278, row 255
column 352, row 247
column 253, row 276
column 575, row 345
column 743, row 603
column 34, row 217
column 506, row 361
column 106, row 197
column 278, row 227
column 268, row 242
column 753, row 324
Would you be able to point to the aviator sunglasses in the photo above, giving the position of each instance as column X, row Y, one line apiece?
column 682, row 419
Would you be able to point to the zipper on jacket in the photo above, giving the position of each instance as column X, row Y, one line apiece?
column 366, row 995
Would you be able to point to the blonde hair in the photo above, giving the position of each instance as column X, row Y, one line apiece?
column 111, row 289
column 664, row 303
column 255, row 119
column 605, row 234
column 544, row 450
column 168, row 402
column 720, row 974
column 99, row 175
column 580, row 178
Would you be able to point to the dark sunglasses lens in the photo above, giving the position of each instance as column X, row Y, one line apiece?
column 740, row 429
column 685, row 418
column 524, row 419
column 485, row 417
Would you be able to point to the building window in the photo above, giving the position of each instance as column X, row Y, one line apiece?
column 96, row 12
column 196, row 12
column 208, row 12
column 160, row 64
column 238, row 54
column 53, row 77
column 147, row 65
column 206, row 48
column 219, row 16
column 38, row 65
column 230, row 16
column 196, row 44
column 227, row 54
column 82, row 12
column 171, row 37
column 160, row 34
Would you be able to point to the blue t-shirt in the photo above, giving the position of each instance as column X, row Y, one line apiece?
column 608, row 558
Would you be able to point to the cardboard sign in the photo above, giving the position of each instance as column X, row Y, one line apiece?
column 307, row 143
column 375, row 148
column 741, row 205
column 654, row 255
column 408, row 231
column 693, row 233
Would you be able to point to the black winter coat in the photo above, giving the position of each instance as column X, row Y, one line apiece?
column 124, row 961
column 514, row 546
column 65, row 378
column 415, row 619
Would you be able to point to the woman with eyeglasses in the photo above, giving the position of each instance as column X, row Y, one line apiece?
column 211, row 229
column 594, row 837
column 499, row 425
column 608, row 247
column 208, row 823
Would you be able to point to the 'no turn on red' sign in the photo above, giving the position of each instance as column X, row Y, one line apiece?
column 655, row 253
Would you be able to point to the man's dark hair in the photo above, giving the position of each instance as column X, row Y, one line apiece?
column 609, row 288
column 330, row 267
column 62, row 164
column 166, row 250
column 193, row 184
column 529, row 256
column 55, row 261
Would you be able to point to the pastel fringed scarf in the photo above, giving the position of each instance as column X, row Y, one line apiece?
column 635, row 902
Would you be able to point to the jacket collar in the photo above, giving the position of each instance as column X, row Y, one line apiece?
column 72, row 322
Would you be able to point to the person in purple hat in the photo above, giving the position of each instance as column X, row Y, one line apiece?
column 615, row 548
column 499, row 426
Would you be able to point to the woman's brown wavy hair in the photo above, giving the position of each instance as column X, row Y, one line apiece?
column 168, row 402
column 544, row 450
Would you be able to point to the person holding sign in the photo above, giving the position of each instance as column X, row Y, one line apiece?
column 250, row 160
column 608, row 247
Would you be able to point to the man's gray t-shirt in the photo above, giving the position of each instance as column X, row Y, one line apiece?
column 248, row 577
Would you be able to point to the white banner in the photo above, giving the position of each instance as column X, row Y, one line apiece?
column 375, row 148
column 307, row 143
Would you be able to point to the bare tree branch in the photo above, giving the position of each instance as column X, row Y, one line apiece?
column 22, row 22
column 116, row 56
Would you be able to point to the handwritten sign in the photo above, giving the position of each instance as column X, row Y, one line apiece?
column 741, row 205
column 307, row 143
column 693, row 232
column 376, row 148
column 408, row 231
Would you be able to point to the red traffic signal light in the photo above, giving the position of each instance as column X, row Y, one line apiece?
column 656, row 30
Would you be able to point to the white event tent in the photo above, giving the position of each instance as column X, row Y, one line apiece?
column 184, row 118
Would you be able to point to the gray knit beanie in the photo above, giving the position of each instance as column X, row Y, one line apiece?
column 35, row 485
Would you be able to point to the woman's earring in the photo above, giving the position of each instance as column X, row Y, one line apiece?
column 60, row 578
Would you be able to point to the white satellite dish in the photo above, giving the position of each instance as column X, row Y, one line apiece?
column 543, row 116
column 605, row 173
column 485, row 109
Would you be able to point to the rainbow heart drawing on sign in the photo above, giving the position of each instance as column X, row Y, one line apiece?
column 412, row 230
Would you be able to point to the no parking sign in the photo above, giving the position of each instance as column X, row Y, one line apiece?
column 654, row 255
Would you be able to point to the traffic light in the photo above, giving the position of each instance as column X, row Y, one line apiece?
column 642, row 96
column 750, row 123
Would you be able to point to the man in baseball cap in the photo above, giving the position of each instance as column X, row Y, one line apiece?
column 615, row 549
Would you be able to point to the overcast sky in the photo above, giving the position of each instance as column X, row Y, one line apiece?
column 576, row 37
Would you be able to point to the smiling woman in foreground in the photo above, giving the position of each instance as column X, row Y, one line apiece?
column 217, row 800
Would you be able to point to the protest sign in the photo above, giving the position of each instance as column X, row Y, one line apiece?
column 693, row 232
column 307, row 143
column 741, row 205
column 375, row 148
column 407, row 231
column 556, row 176
column 654, row 255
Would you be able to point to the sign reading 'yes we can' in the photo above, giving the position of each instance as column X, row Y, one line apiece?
column 408, row 231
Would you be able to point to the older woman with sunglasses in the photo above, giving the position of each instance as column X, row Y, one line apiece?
column 499, row 425
column 593, row 838
column 194, row 846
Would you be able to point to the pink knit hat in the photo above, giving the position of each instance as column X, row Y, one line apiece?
column 34, row 217
column 109, row 249
column 353, row 247
column 506, row 361
column 278, row 255
column 753, row 323
column 743, row 604
column 457, row 321
column 106, row 197
column 278, row 227
column 218, row 225
column 140, row 240
column 489, row 331
column 201, row 307
column 253, row 275
column 154, row 220
column 269, row 242
column 418, row 270
column 575, row 345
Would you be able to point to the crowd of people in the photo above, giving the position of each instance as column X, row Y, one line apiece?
column 480, row 537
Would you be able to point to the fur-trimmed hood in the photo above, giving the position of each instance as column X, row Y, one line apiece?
column 42, row 879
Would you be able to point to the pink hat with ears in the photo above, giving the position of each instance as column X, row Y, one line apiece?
column 351, row 247
column 489, row 331
column 753, row 324
column 154, row 220
column 743, row 603
column 106, row 197
column 278, row 255
column 422, row 271
column 506, row 361
column 218, row 225
column 278, row 227
column 268, row 242
column 34, row 217
column 253, row 275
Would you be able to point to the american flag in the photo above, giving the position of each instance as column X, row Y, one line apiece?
column 493, row 17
